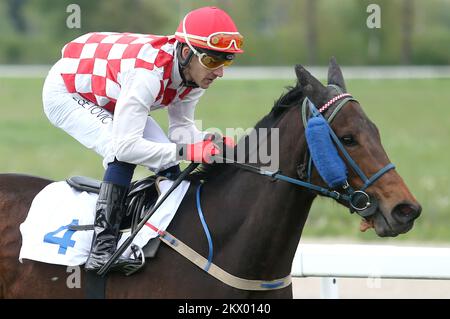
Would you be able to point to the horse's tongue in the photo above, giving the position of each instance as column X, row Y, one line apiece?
column 365, row 225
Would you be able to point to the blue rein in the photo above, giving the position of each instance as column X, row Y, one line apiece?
column 205, row 227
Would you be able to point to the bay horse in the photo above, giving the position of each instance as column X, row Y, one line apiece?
column 255, row 222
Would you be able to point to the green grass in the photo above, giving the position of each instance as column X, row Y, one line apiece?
column 413, row 117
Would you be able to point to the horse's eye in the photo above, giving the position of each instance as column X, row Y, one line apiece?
column 348, row 140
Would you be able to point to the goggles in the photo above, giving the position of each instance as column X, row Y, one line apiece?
column 224, row 40
column 219, row 41
column 210, row 62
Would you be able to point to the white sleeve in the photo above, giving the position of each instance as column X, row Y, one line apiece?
column 182, row 127
column 139, row 89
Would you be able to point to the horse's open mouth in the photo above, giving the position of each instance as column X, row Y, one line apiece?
column 382, row 227
column 366, row 224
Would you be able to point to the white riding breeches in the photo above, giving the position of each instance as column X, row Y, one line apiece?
column 88, row 123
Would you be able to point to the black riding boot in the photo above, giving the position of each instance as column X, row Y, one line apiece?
column 109, row 213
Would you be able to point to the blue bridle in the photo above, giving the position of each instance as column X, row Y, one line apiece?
column 358, row 200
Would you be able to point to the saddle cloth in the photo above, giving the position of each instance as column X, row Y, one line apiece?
column 46, row 236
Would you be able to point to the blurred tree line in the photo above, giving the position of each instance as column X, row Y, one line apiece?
column 281, row 32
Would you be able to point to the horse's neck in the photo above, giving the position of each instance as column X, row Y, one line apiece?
column 258, row 222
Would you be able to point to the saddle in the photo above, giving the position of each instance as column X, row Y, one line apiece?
column 141, row 198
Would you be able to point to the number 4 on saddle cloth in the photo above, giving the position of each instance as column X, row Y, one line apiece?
column 58, row 228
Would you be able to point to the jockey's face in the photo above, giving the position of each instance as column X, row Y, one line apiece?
column 197, row 73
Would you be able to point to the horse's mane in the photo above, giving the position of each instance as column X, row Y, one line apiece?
column 291, row 98
column 287, row 100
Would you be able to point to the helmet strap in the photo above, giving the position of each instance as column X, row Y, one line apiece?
column 183, row 63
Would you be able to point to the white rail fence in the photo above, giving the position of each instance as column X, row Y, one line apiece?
column 330, row 261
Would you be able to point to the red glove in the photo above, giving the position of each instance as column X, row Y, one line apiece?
column 228, row 141
column 219, row 139
column 200, row 152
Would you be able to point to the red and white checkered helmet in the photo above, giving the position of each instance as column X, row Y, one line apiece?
column 210, row 28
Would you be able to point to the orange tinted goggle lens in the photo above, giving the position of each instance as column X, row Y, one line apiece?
column 224, row 41
column 213, row 63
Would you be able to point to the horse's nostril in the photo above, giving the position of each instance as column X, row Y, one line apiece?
column 405, row 213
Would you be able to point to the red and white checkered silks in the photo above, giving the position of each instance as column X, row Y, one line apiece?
column 94, row 62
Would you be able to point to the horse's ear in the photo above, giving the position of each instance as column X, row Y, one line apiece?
column 335, row 74
column 313, row 89
column 301, row 72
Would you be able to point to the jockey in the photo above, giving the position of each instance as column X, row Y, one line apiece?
column 102, row 90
